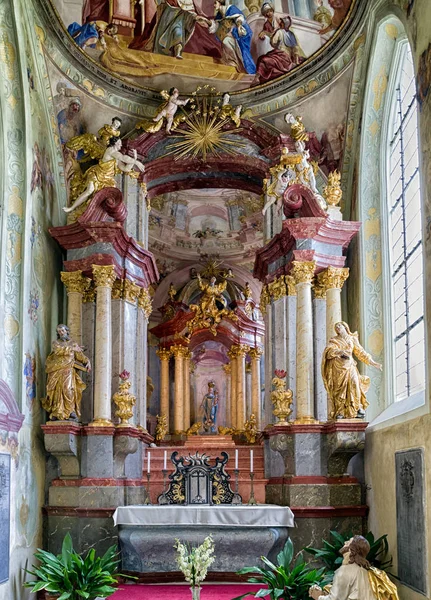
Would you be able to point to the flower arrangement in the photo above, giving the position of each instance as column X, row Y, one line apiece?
column 194, row 562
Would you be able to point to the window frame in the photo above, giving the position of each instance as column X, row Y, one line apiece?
column 390, row 109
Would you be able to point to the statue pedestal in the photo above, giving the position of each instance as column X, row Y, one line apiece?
column 307, row 467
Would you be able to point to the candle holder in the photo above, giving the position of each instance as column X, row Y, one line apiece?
column 147, row 499
column 236, row 497
column 252, row 500
column 163, row 499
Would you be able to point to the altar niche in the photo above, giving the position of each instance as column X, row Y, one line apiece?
column 195, row 481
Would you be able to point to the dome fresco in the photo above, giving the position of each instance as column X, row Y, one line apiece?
column 234, row 45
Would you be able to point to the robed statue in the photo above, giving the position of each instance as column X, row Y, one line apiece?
column 64, row 386
column 210, row 408
column 346, row 387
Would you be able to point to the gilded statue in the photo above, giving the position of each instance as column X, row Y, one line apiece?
column 297, row 128
column 124, row 400
column 194, row 429
column 167, row 112
column 345, row 386
column 161, row 428
column 64, row 386
column 172, row 292
column 234, row 114
column 212, row 306
column 100, row 176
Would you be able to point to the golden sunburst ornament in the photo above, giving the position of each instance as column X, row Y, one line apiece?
column 202, row 130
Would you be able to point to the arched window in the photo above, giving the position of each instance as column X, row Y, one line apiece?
column 404, row 224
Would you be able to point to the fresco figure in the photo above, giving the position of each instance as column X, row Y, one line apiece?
column 271, row 22
column 177, row 27
column 232, row 29
column 341, row 8
column 322, row 14
column 86, row 36
column 95, row 10
column 69, row 120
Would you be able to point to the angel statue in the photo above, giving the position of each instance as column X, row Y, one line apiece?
column 100, row 176
column 167, row 111
column 297, row 128
column 64, row 386
column 235, row 114
column 345, row 386
column 275, row 190
column 212, row 306
column 306, row 174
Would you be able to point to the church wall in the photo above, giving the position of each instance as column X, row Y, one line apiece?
column 411, row 429
column 30, row 297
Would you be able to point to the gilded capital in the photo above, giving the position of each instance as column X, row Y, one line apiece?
column 131, row 291
column 277, row 289
column 319, row 290
column 117, row 289
column 265, row 299
column 163, row 353
column 145, row 302
column 179, row 351
column 104, row 276
column 227, row 369
column 75, row 281
column 290, row 283
column 255, row 353
column 240, row 350
column 333, row 278
column 90, row 294
column 303, row 271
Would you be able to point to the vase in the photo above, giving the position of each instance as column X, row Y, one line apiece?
column 196, row 592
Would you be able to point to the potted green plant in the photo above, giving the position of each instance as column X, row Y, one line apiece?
column 70, row 576
column 289, row 579
column 330, row 556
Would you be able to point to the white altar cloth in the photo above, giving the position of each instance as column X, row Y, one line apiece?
column 223, row 515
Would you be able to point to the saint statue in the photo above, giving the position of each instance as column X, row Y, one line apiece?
column 356, row 578
column 64, row 386
column 345, row 386
column 210, row 408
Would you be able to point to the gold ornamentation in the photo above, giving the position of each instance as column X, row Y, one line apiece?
column 250, row 429
column 227, row 369
column 104, row 276
column 265, row 299
column 64, row 386
column 207, row 314
column 101, row 423
column 163, row 353
column 332, row 192
column 228, row 430
column 303, row 271
column 117, row 289
column 194, row 429
column 255, row 353
column 297, row 128
column 177, row 494
column 291, row 287
column 179, row 351
column 282, row 400
column 238, row 350
column 166, row 113
column 345, row 386
column 277, row 288
column 204, row 128
column 90, row 294
column 145, row 302
column 75, row 282
column 161, row 428
column 319, row 290
column 333, row 278
column 124, row 401
column 131, row 291
column 172, row 292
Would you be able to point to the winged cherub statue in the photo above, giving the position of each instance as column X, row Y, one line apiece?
column 165, row 113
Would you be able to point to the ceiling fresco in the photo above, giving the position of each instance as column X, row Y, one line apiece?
column 234, row 45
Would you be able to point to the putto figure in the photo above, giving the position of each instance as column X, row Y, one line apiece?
column 64, row 386
column 166, row 112
column 356, row 578
column 345, row 386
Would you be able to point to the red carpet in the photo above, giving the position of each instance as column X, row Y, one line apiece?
column 180, row 592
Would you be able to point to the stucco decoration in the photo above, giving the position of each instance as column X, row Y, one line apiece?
column 239, row 45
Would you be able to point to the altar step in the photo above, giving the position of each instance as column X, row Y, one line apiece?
column 213, row 446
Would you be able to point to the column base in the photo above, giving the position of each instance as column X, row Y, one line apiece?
column 102, row 423
column 308, row 420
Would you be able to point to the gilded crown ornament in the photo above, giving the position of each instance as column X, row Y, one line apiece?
column 124, row 400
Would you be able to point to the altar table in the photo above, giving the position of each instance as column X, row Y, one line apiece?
column 242, row 534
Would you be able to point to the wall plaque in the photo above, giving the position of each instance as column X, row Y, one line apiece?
column 4, row 516
column 411, row 541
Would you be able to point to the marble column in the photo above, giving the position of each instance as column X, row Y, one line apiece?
column 164, row 354
column 233, row 387
column 332, row 280
column 76, row 285
column 186, row 393
column 255, row 354
column 303, row 273
column 228, row 370
column 104, row 277
column 319, row 316
column 178, row 352
column 248, row 410
column 144, row 311
column 241, row 351
column 291, row 337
